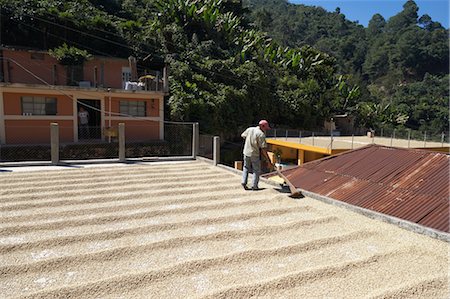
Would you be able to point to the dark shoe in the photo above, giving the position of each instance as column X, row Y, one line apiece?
column 244, row 186
column 256, row 189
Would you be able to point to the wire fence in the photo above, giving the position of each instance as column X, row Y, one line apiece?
column 206, row 144
column 388, row 137
column 164, row 139
column 26, row 144
column 142, row 139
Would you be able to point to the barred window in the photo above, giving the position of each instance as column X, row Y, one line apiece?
column 38, row 105
column 133, row 108
column 37, row 56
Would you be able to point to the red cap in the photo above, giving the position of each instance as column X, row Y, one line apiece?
column 264, row 124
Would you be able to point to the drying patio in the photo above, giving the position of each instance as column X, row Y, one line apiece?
column 187, row 230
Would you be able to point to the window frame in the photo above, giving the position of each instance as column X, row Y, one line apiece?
column 133, row 108
column 38, row 105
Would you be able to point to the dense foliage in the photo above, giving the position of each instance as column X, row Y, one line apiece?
column 400, row 64
column 232, row 63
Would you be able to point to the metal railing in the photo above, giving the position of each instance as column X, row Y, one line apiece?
column 334, row 140
column 55, row 143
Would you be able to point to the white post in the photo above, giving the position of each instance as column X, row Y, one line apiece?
column 122, row 142
column 54, row 143
column 216, row 150
column 2, row 121
column 287, row 133
column 195, row 140
column 442, row 139
column 313, row 138
column 299, row 136
column 109, row 121
column 166, row 78
column 353, row 136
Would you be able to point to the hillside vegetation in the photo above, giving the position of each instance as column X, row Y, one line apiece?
column 400, row 64
column 232, row 63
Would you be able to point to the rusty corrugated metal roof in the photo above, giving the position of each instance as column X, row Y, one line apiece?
column 405, row 183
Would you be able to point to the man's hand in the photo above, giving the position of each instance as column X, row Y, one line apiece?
column 272, row 166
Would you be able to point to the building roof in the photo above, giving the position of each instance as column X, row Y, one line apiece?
column 188, row 230
column 405, row 183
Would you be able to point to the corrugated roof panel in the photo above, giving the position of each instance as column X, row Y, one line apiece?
column 412, row 208
column 332, row 184
column 376, row 198
column 350, row 189
column 439, row 218
column 309, row 178
column 405, row 183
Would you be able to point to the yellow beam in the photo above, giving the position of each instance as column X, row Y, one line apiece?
column 299, row 146
column 300, row 157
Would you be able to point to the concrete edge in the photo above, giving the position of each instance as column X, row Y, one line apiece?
column 404, row 224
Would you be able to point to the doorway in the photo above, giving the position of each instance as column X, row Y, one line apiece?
column 89, row 119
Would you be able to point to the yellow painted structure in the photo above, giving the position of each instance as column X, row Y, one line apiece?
column 301, row 152
column 437, row 149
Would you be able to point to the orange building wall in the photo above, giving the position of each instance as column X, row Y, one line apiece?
column 36, row 131
column 43, row 69
column 152, row 105
column 112, row 71
column 139, row 130
column 12, row 104
column 40, row 68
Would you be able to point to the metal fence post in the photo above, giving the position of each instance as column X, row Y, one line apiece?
column 442, row 139
column 409, row 138
column 287, row 133
column 299, row 136
column 331, row 141
column 216, row 150
column 195, row 140
column 54, row 141
column 425, row 139
column 313, row 138
column 121, row 142
column 353, row 137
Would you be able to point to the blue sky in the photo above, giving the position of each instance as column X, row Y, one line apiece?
column 363, row 10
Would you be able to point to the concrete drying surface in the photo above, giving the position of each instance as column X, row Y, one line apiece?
column 188, row 230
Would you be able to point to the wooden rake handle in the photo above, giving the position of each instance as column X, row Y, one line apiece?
column 294, row 191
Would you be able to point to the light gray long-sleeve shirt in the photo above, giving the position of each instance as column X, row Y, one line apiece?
column 255, row 139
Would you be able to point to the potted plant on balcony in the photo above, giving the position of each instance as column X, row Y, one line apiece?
column 73, row 58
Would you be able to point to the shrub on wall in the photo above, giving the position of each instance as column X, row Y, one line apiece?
column 69, row 55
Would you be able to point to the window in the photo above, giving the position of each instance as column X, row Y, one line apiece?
column 126, row 76
column 38, row 106
column 133, row 108
column 37, row 56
